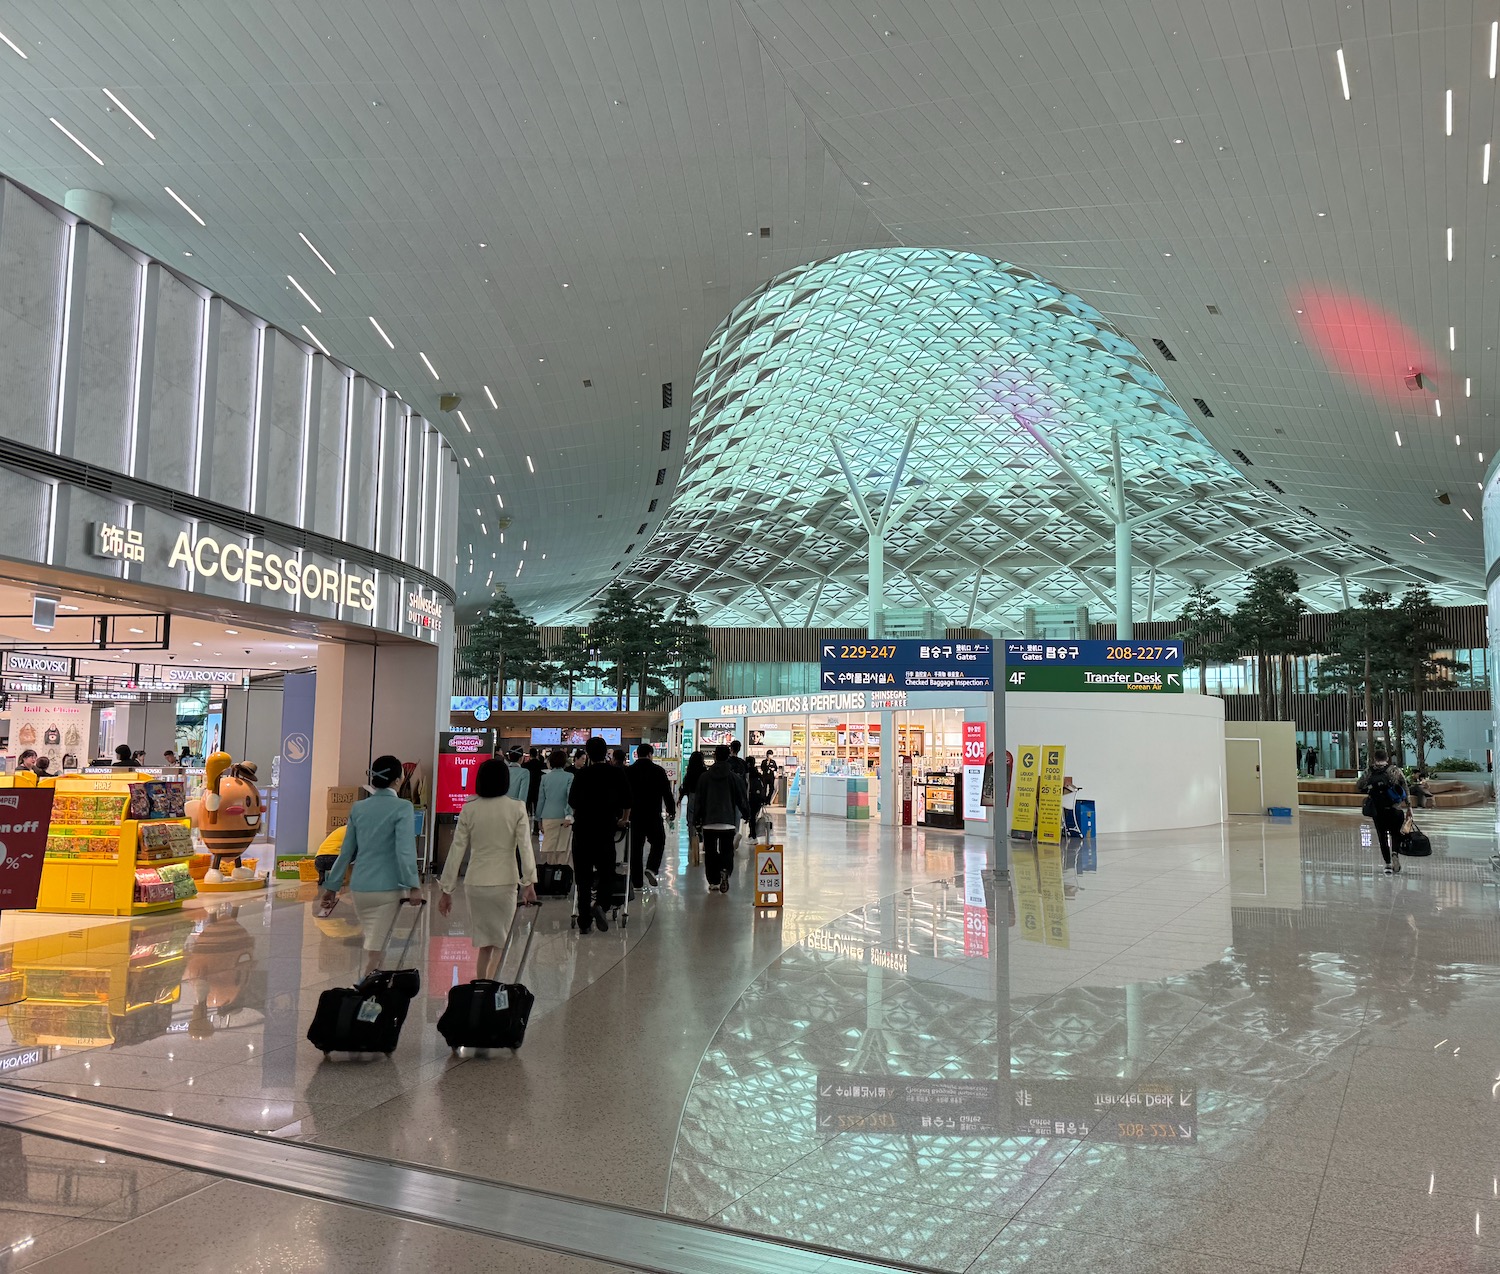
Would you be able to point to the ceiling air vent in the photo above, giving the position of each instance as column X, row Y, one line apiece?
column 666, row 440
column 1203, row 407
column 1213, row 309
column 588, row 384
column 630, row 548
column 1307, row 511
column 1243, row 458
column 661, row 477
column 666, row 394
column 1276, row 487
column 765, row 232
column 651, row 508
column 1166, row 350
column 641, row 530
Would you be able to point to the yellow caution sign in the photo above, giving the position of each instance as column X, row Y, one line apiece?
column 1049, row 795
column 768, row 884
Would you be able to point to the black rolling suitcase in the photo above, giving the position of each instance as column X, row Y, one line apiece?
column 553, row 880
column 367, row 1017
column 1415, row 844
column 490, row 1014
column 618, row 882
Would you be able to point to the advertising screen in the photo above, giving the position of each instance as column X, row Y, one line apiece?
column 460, row 754
column 546, row 735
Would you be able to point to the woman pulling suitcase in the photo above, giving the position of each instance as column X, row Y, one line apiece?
column 494, row 830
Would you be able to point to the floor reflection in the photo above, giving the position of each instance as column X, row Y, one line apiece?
column 1239, row 1022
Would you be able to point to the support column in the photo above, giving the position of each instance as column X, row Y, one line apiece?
column 1124, row 623
column 877, row 579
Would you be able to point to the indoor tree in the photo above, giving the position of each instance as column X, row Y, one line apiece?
column 625, row 632
column 1361, row 656
column 688, row 655
column 1267, row 623
column 502, row 645
column 1428, row 735
column 1203, row 631
column 1419, row 635
column 572, row 660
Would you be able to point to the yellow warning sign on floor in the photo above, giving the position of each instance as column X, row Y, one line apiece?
column 768, row 891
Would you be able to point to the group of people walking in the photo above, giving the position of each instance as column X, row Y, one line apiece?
column 579, row 806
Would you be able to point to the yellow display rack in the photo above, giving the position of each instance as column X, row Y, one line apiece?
column 102, row 883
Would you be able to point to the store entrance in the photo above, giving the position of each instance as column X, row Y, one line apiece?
column 932, row 741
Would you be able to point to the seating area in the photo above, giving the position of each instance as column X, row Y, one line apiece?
column 1341, row 793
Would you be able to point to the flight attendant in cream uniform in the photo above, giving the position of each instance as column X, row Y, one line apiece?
column 494, row 832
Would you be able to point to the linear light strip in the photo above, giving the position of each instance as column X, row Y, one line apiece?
column 63, row 128
column 186, row 207
column 315, row 252
column 1343, row 74
column 136, row 119
column 376, row 324
column 307, row 296
column 430, row 367
column 14, row 45
column 490, row 395
column 1485, row 171
column 1494, row 45
column 315, row 340
column 1448, row 113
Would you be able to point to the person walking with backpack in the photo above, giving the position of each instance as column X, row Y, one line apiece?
column 718, row 805
column 600, row 800
column 1385, row 805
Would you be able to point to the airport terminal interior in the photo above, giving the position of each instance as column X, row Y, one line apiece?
column 757, row 637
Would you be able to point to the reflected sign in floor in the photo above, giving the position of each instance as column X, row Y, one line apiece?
column 1146, row 1114
column 908, row 1105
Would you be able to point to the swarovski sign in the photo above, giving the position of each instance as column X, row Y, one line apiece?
column 51, row 665
column 275, row 572
column 203, row 676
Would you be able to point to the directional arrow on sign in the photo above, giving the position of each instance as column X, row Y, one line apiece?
column 830, row 678
column 1173, row 679
column 1186, row 1099
column 827, row 652
column 825, row 1090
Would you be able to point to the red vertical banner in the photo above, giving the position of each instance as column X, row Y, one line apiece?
column 460, row 754
column 25, row 815
column 975, row 751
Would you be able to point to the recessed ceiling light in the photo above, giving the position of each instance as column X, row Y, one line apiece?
column 529, row 465
column 305, row 295
column 135, row 119
column 1177, row 141
column 463, row 420
column 140, row 632
column 1448, row 113
column 66, row 606
column 492, row 479
column 1494, row 41
column 1452, row 338
column 864, row 183
column 13, row 45
column 567, row 285
column 467, row 465
column 231, row 632
column 376, row 324
column 488, row 393
column 1468, row 515
column 1468, row 387
column 430, row 367
column 1398, row 437
column 315, row 252
column 1343, row 73
column 479, row 451
column 1437, row 404
column 1450, row 243
column 1457, row 441
column 484, row 245
column 184, row 205
column 314, row 339
column 63, row 129
column 187, row 254
column 1322, row 214
column 1417, row 538
column 197, row 643
column 1166, row 254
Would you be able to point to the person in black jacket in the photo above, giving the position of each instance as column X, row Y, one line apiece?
column 600, row 800
column 718, row 805
column 650, row 790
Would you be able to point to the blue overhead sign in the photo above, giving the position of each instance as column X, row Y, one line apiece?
column 908, row 663
column 1020, row 653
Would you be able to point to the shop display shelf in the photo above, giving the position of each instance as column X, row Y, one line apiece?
column 163, row 862
column 146, row 908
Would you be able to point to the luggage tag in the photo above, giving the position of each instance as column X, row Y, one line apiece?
column 369, row 1011
column 502, row 1000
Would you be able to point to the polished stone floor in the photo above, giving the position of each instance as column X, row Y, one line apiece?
column 1236, row 1048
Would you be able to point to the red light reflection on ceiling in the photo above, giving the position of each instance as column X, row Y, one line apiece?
column 1367, row 344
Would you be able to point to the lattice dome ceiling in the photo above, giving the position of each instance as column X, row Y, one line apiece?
column 1003, row 393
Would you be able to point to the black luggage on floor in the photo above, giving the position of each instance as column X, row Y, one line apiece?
column 553, row 880
column 490, row 1014
column 367, row 1017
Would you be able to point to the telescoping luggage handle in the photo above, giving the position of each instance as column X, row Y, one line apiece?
column 505, row 950
column 400, row 961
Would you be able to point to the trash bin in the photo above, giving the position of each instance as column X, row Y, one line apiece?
column 1087, row 820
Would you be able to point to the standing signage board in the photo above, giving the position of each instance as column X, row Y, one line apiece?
column 460, row 754
column 768, row 878
column 25, row 815
column 1023, row 819
column 974, row 754
column 1049, row 795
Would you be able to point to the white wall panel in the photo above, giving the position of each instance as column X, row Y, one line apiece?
column 282, row 399
column 324, row 485
column 32, row 268
column 361, row 464
column 168, row 421
column 389, row 478
column 25, row 507
column 228, row 433
column 103, row 354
